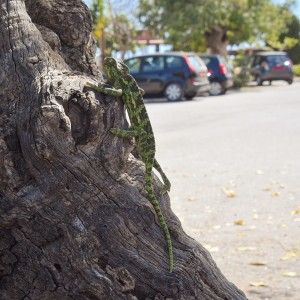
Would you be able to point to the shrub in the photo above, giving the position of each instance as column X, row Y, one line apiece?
column 296, row 69
column 241, row 77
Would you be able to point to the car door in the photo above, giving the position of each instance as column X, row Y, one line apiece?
column 255, row 67
column 152, row 75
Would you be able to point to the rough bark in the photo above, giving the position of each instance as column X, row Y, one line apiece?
column 75, row 221
column 216, row 41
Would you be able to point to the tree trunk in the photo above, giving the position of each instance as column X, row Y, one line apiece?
column 216, row 41
column 76, row 222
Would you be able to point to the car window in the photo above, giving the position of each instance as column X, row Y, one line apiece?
column 174, row 62
column 207, row 60
column 133, row 64
column 257, row 60
column 196, row 63
column 226, row 63
column 153, row 63
column 277, row 59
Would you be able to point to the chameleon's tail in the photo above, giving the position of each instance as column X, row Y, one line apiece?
column 161, row 218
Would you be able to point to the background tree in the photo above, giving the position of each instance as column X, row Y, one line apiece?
column 75, row 219
column 213, row 24
column 112, row 27
column 292, row 33
column 99, row 25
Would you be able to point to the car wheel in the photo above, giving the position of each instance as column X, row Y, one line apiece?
column 174, row 92
column 216, row 88
column 290, row 81
column 258, row 80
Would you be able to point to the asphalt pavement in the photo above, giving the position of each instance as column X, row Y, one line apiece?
column 234, row 165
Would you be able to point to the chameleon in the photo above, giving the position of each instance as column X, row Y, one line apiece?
column 123, row 84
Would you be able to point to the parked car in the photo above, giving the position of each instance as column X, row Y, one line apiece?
column 270, row 66
column 172, row 74
column 219, row 72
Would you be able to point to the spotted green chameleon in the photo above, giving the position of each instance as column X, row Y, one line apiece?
column 124, row 84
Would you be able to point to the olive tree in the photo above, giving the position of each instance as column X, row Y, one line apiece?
column 75, row 220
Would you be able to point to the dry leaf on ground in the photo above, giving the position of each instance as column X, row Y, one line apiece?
column 289, row 274
column 229, row 193
column 239, row 222
column 292, row 253
column 247, row 248
column 191, row 198
column 258, row 283
column 295, row 212
column 258, row 263
column 241, row 233
column 275, row 194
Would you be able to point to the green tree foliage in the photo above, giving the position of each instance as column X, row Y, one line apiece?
column 194, row 25
column 113, row 30
column 293, row 32
column 98, row 16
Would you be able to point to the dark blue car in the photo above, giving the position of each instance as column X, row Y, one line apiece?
column 174, row 74
column 220, row 75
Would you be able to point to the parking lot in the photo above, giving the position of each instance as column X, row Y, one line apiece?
column 234, row 165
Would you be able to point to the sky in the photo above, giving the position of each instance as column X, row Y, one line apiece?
column 296, row 9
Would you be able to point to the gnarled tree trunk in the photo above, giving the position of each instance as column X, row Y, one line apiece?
column 217, row 41
column 76, row 222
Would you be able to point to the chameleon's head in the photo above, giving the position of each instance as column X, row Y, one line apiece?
column 114, row 68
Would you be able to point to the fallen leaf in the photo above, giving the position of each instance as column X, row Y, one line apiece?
column 295, row 212
column 292, row 253
column 289, row 274
column 259, row 172
column 228, row 193
column 255, row 216
column 258, row 283
column 267, row 189
column 246, row 248
column 239, row 222
column 242, row 234
column 191, row 198
column 281, row 185
column 258, row 263
column 275, row 194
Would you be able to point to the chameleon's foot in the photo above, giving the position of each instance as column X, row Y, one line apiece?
column 104, row 89
column 114, row 131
